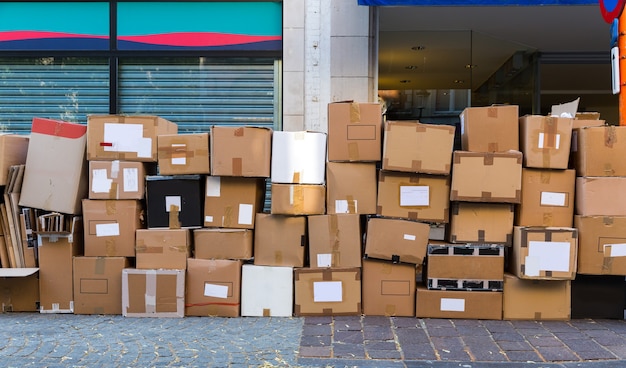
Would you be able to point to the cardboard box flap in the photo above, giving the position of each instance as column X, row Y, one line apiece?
column 18, row 272
column 58, row 128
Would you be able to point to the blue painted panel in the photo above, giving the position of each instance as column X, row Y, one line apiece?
column 477, row 2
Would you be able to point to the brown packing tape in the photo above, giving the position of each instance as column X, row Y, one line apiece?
column 335, row 260
column 481, row 235
column 110, row 246
column 544, row 176
column 100, row 265
column 607, row 220
column 98, row 310
column 351, row 204
column 608, row 169
column 550, row 132
column 548, row 235
column 492, row 112
column 416, row 165
column 456, row 157
column 548, row 219
column 353, row 151
column 607, row 265
column 412, row 215
column 488, row 159
column 493, row 147
column 178, row 150
column 548, row 273
column 357, row 274
column 148, row 250
column 267, row 312
column 228, row 216
column 110, row 207
column 485, row 196
column 296, row 177
column 278, row 257
column 113, row 190
column 387, row 268
column 524, row 238
column 334, row 232
column 355, row 112
column 178, row 248
column 327, row 275
column 298, row 198
column 174, row 222
column 238, row 132
column 390, row 310
column 455, row 209
column 237, row 164
column 509, row 239
column 610, row 136
column 537, row 315
column 327, row 311
column 379, row 209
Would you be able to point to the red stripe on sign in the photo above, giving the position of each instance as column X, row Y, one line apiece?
column 58, row 128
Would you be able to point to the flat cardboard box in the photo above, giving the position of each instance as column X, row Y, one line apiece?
column 232, row 202
column 98, row 284
column 420, row 197
column 117, row 179
column 411, row 146
column 486, row 177
column 327, row 292
column 110, row 226
column 55, row 175
column 545, row 141
column 537, row 300
column 180, row 154
column 544, row 253
column 13, row 151
column 601, row 196
column 601, row 245
column 388, row 289
column 174, row 201
column 241, row 151
column 162, row 248
column 213, row 288
column 280, row 240
column 298, row 199
column 153, row 293
column 476, row 222
column 458, row 304
column 547, row 198
column 335, row 241
column 601, row 151
column 20, row 289
column 298, row 157
column 266, row 291
column 490, row 128
column 220, row 243
column 397, row 240
column 598, row 296
column 354, row 131
column 351, row 187
column 127, row 138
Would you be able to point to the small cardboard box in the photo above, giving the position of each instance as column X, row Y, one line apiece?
column 476, row 222
column 601, row 151
column 334, row 241
column 486, row 177
column 55, row 175
column 180, row 154
column 298, row 157
column 117, row 179
column 98, row 284
column 174, row 202
column 218, row 243
column 396, row 240
column 127, row 138
column 13, row 151
column 213, row 287
column 601, row 245
column 547, row 198
column 546, row 141
column 411, row 146
column 354, row 131
column 20, row 289
column 601, row 196
column 153, row 293
column 163, row 248
column 413, row 196
column 458, row 304
column 110, row 226
column 343, row 196
column 490, row 128
column 327, row 292
column 232, row 202
column 579, row 123
column 388, row 289
column 241, row 151
column 536, row 300
column 266, row 291
column 279, row 240
column 298, row 199
column 598, row 296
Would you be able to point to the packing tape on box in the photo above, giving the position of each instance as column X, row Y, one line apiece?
column 488, row 159
column 151, row 287
column 110, row 247
column 387, row 268
column 278, row 257
column 481, row 235
column 537, row 316
column 353, row 151
column 146, row 249
column 295, row 178
column 327, row 275
column 267, row 312
column 177, row 248
column 238, row 132
column 351, row 204
column 237, row 164
column 227, row 217
column 174, row 222
column 548, row 219
column 610, row 136
column 296, row 198
column 544, row 176
column 492, row 112
column 110, row 207
column 100, row 263
column 493, row 147
column 113, row 190
column 607, row 263
column 355, row 112
column 115, row 169
column 416, row 165
column 390, row 310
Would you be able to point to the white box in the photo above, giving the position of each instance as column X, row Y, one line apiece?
column 298, row 157
column 266, row 291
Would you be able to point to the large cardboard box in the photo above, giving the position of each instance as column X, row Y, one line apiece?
column 20, row 289
column 298, row 199
column 241, row 151
column 354, row 131
column 601, row 245
column 118, row 179
column 298, row 157
column 544, row 253
column 153, row 293
column 213, row 287
column 233, row 202
column 598, row 296
column 396, row 240
column 546, row 141
column 547, row 198
column 388, row 288
column 266, row 291
column 476, row 222
column 174, row 201
column 98, row 284
column 601, row 196
column 411, row 146
column 334, row 241
column 13, row 151
column 279, row 240
column 163, row 248
column 601, row 151
column 579, row 123
column 127, row 138
column 536, row 299
column 490, row 128
column 413, row 196
column 486, row 177
column 55, row 175
column 458, row 304
column 180, row 154
column 351, row 187
column 110, row 226
column 220, row 243
column 327, row 292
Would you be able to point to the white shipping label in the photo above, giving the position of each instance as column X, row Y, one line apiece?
column 327, row 291
column 100, row 183
column 452, row 305
column 179, row 156
column 531, row 266
column 615, row 250
column 216, row 291
column 542, row 141
column 324, row 260
column 553, row 199
column 246, row 214
column 108, row 229
column 131, row 179
column 127, row 138
column 171, row 201
column 553, row 256
column 213, row 186
column 409, row 237
column 208, row 218
column 341, row 206
column 414, row 195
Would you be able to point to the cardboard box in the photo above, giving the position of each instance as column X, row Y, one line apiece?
column 232, row 202
column 174, row 201
column 298, row 157
column 354, row 131
column 110, row 226
column 537, row 300
column 598, row 296
column 117, row 179
column 13, row 151
column 544, row 253
column 180, row 154
column 388, row 289
column 98, row 284
column 298, row 199
column 476, row 222
column 601, row 245
column 412, row 196
column 601, row 196
column 396, row 240
column 20, row 289
column 219, row 243
column 458, row 304
column 241, row 151
column 486, row 177
column 546, row 141
column 127, row 138
column 327, row 292
column 600, row 151
column 577, row 124
column 163, row 248
column 411, row 146
column 213, row 288
column 490, row 128
column 279, row 240
column 334, row 241
column 153, row 293
column 266, row 291
column 55, row 175
column 351, row 187
column 547, row 198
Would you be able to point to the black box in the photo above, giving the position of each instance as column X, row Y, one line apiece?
column 598, row 296
column 174, row 201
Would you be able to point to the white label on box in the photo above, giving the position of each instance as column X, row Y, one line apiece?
column 532, row 266
column 327, row 291
column 127, row 138
column 324, row 259
column 178, row 154
column 542, row 139
column 208, row 218
column 616, row 250
column 171, row 201
column 246, row 213
column 341, row 206
column 100, row 183
column 215, row 291
column 108, row 229
column 213, row 186
column 414, row 195
column 131, row 179
column 452, row 305
column 553, row 199
column 553, row 256
column 409, row 237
